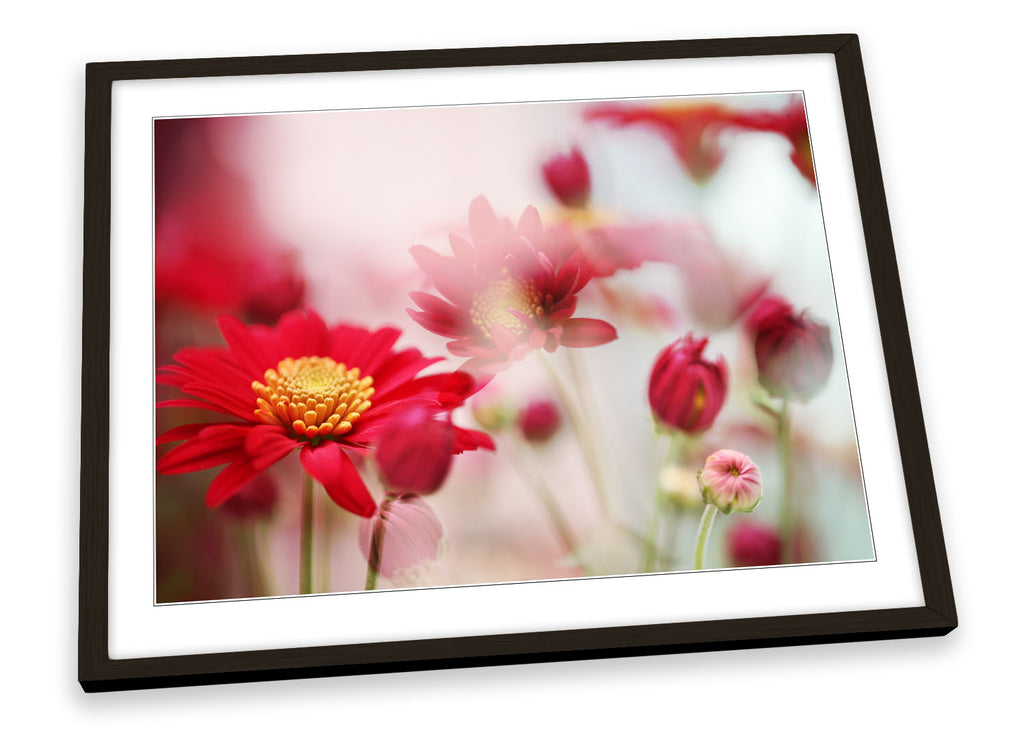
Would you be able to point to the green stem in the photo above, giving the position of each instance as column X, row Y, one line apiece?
column 543, row 491
column 323, row 542
column 306, row 539
column 591, row 454
column 245, row 541
column 374, row 558
column 677, row 447
column 706, row 520
column 787, row 524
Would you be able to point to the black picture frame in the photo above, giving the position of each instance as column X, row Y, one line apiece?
column 98, row 672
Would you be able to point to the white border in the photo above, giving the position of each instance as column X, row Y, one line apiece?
column 137, row 628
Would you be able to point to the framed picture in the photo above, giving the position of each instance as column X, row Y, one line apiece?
column 430, row 359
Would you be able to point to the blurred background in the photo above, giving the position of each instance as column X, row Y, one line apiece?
column 261, row 214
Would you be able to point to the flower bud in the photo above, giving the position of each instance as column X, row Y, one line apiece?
column 686, row 391
column 491, row 412
column 414, row 453
column 678, row 486
column 568, row 178
column 752, row 544
column 410, row 534
column 794, row 351
column 730, row 481
column 540, row 420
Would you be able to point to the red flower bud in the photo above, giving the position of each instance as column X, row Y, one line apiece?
column 752, row 544
column 794, row 351
column 540, row 420
column 414, row 452
column 687, row 391
column 568, row 178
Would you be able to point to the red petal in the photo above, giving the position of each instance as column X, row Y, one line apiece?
column 255, row 355
column 437, row 323
column 332, row 467
column 466, row 439
column 267, row 444
column 214, row 446
column 457, row 389
column 302, row 334
column 190, row 403
column 229, row 482
column 187, row 432
column 581, row 332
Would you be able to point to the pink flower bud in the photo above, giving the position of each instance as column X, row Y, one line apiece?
column 568, row 178
column 414, row 452
column 686, row 391
column 540, row 420
column 794, row 351
column 752, row 544
column 410, row 533
column 730, row 481
column 255, row 500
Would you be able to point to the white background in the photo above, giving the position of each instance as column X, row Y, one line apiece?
column 947, row 120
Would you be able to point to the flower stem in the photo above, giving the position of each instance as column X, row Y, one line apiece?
column 706, row 520
column 323, row 542
column 306, row 539
column 787, row 524
column 249, row 559
column 376, row 549
column 543, row 491
column 580, row 427
column 677, row 444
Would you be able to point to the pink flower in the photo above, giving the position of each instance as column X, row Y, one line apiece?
column 410, row 533
column 686, row 391
column 510, row 290
column 730, row 481
column 794, row 351
column 540, row 420
column 752, row 544
column 568, row 178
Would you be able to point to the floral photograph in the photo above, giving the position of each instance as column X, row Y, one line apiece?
column 462, row 345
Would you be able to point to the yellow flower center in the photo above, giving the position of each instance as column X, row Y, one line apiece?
column 313, row 396
column 491, row 305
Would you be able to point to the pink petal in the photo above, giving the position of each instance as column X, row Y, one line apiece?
column 483, row 223
column 581, row 332
column 411, row 531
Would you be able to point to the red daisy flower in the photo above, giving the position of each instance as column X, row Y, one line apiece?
column 510, row 290
column 301, row 385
